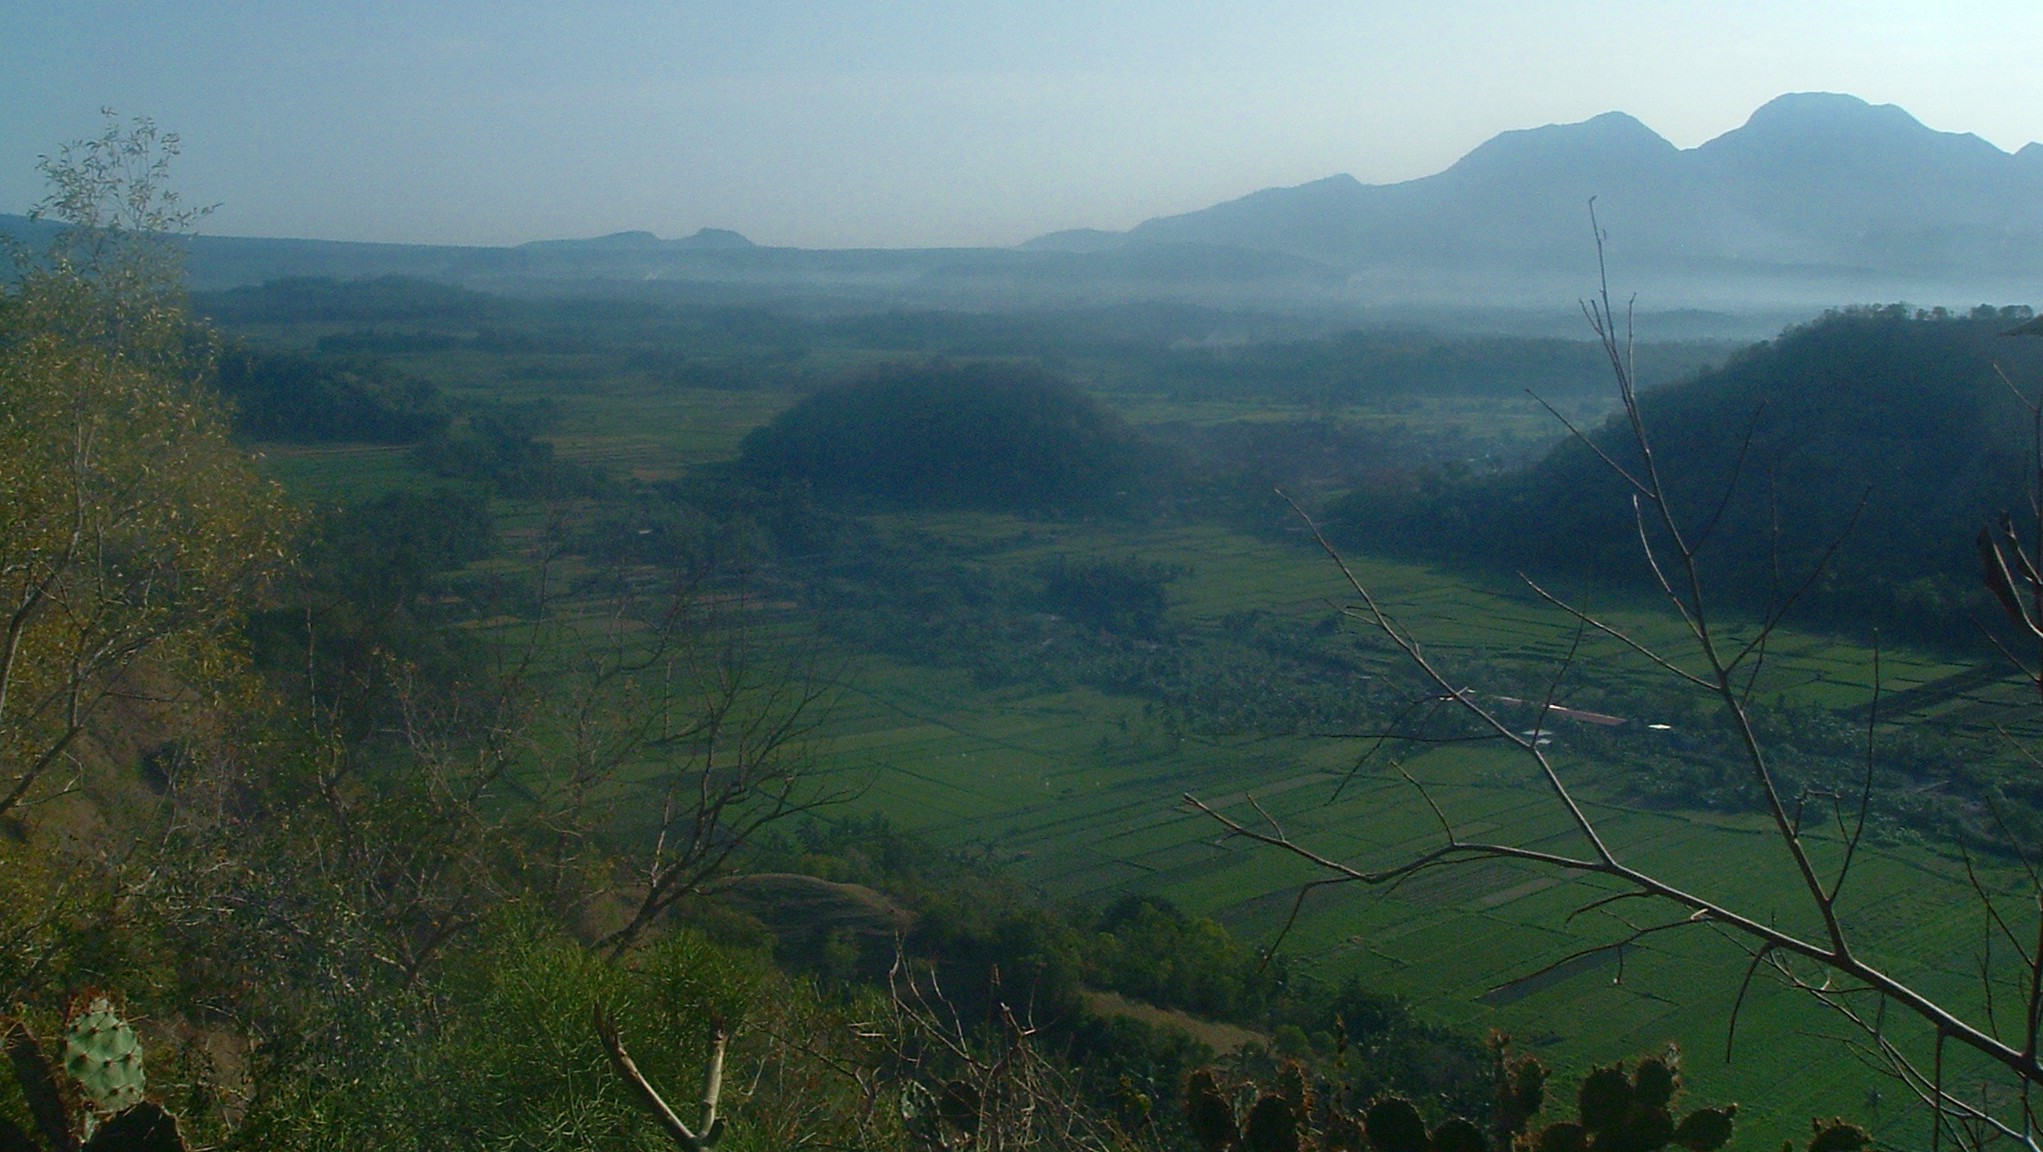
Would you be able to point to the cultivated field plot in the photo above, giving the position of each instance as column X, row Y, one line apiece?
column 312, row 472
column 1023, row 778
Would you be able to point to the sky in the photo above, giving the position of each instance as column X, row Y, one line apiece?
column 913, row 123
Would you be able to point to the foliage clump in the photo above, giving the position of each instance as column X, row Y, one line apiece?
column 134, row 536
column 291, row 397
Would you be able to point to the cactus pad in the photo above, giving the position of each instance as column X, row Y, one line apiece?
column 1457, row 1135
column 1394, row 1125
column 1209, row 1112
column 1654, row 1083
column 102, row 1056
column 144, row 1128
column 1272, row 1126
column 1837, row 1136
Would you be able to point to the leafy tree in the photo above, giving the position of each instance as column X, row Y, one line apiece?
column 133, row 535
column 135, row 538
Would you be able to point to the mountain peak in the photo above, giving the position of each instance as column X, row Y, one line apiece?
column 1613, row 136
column 1829, row 113
column 1815, row 188
column 612, row 240
column 716, row 238
column 1831, row 128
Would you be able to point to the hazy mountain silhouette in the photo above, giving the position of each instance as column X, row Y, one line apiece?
column 1812, row 184
column 704, row 238
column 1818, row 199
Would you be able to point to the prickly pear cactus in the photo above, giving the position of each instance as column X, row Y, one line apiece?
column 102, row 1056
column 1273, row 1126
column 1209, row 1112
column 1615, row 1111
column 1394, row 1125
column 1521, row 1090
column 1836, row 1135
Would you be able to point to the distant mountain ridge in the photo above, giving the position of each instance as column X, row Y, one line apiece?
column 1813, row 184
column 1818, row 199
column 703, row 238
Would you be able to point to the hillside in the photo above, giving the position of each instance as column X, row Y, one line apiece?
column 1905, row 413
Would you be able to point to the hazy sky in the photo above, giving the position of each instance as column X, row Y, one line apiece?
column 857, row 123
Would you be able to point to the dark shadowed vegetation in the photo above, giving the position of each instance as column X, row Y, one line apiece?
column 295, row 398
column 982, row 436
column 1875, row 430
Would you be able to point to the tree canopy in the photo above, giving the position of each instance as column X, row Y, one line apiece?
column 1891, row 430
column 980, row 435
column 133, row 534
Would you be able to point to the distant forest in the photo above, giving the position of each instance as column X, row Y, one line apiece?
column 1176, row 350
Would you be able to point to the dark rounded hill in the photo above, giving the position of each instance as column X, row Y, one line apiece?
column 1907, row 415
column 987, row 436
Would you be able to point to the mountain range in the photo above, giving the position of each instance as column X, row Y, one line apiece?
column 1814, row 187
column 1818, row 199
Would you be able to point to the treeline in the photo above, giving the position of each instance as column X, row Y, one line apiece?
column 295, row 398
column 380, row 300
column 368, row 340
column 1182, row 351
column 1359, row 366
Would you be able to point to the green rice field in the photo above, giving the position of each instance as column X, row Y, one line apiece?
column 1024, row 778
column 1074, row 791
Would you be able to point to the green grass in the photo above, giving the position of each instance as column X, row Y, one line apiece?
column 335, row 471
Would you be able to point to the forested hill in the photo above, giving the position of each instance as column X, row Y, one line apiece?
column 1904, row 412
